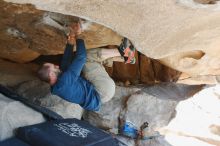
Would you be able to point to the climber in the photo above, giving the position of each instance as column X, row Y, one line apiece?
column 90, row 90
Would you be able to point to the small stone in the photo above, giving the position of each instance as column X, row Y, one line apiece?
column 127, row 83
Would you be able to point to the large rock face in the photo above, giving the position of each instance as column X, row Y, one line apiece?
column 197, row 120
column 160, row 29
column 13, row 74
column 27, row 33
column 107, row 117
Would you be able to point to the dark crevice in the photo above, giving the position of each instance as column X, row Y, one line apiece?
column 48, row 58
column 206, row 1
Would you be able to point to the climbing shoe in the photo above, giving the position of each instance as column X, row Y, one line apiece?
column 127, row 51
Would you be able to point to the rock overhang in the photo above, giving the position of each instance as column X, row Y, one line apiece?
column 159, row 29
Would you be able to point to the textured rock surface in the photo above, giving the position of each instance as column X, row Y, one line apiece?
column 197, row 120
column 12, row 74
column 152, row 71
column 125, row 141
column 206, row 1
column 14, row 114
column 132, row 106
column 190, row 120
column 24, row 35
column 155, row 105
column 145, row 70
column 124, row 72
column 107, row 117
column 27, row 32
column 158, row 141
column 160, row 29
column 138, row 112
column 196, row 80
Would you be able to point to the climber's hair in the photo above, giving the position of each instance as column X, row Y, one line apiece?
column 43, row 73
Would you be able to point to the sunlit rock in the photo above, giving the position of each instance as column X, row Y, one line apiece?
column 197, row 120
